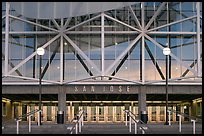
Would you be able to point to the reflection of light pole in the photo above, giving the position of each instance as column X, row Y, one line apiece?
column 166, row 52
column 40, row 52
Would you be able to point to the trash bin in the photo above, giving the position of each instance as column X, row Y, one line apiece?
column 144, row 116
column 60, row 117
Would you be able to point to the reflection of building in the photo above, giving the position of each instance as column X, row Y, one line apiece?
column 104, row 61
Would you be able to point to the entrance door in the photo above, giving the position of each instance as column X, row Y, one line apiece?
column 101, row 117
column 49, row 113
column 118, row 113
column 93, row 113
column 97, row 114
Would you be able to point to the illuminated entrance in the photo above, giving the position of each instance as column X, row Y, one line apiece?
column 104, row 113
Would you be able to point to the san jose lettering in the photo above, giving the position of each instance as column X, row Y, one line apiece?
column 102, row 89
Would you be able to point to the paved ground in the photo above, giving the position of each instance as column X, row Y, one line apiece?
column 95, row 128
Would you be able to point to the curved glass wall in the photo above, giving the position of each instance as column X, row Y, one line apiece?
column 122, row 44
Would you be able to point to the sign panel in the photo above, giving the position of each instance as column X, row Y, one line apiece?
column 107, row 89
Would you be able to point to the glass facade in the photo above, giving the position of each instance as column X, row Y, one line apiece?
column 120, row 44
column 107, row 57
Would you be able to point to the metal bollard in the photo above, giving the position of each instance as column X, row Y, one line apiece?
column 169, row 117
column 38, row 118
column 135, row 127
column 125, row 118
column 82, row 121
column 179, row 122
column 193, row 126
column 76, row 128
column 80, row 125
column 17, row 127
column 130, row 123
column 29, row 119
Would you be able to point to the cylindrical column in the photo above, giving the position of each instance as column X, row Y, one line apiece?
column 179, row 122
column 17, row 127
column 7, row 38
column 193, row 126
column 40, row 88
column 125, row 118
column 129, row 123
column 76, row 127
column 29, row 119
column 38, row 118
column 166, row 88
column 82, row 118
column 169, row 117
column 135, row 127
column 80, row 125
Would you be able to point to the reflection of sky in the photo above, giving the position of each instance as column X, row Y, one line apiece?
column 112, row 52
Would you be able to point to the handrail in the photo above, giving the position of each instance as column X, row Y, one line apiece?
column 18, row 119
column 77, row 121
column 186, row 115
column 137, row 120
column 27, row 114
column 193, row 119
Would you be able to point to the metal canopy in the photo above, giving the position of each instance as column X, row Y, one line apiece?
column 48, row 10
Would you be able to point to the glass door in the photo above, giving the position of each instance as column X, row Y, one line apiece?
column 49, row 113
column 118, row 113
column 110, row 113
column 101, row 113
column 93, row 113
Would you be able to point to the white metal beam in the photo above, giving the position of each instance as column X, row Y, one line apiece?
column 81, row 80
column 102, row 45
column 81, row 53
column 33, row 23
column 67, row 23
column 122, row 23
column 172, row 23
column 198, row 38
column 105, row 32
column 155, row 15
column 56, row 24
column 143, row 42
column 99, row 32
column 122, row 79
column 33, row 54
column 71, row 32
column 7, row 38
column 122, row 54
column 61, row 55
column 176, row 33
column 172, row 55
column 134, row 16
column 33, row 79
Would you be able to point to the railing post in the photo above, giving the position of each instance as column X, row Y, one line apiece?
column 129, row 123
column 169, row 117
column 135, row 127
column 125, row 118
column 79, row 124
column 76, row 127
column 17, row 126
column 38, row 118
column 82, row 121
column 29, row 121
column 193, row 126
column 179, row 122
